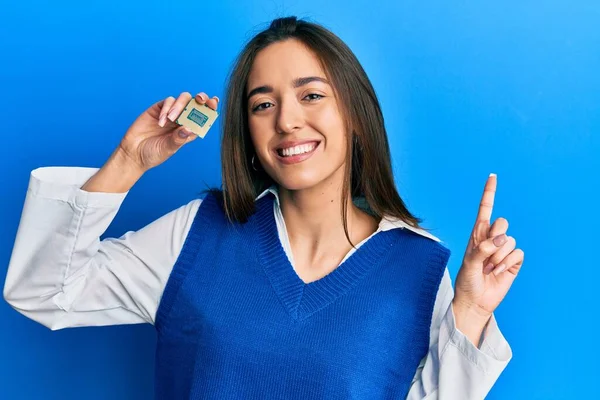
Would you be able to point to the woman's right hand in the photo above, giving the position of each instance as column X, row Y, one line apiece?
column 154, row 137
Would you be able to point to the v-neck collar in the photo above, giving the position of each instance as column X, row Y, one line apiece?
column 302, row 299
column 387, row 222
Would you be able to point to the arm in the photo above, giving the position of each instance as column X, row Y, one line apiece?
column 454, row 367
column 62, row 275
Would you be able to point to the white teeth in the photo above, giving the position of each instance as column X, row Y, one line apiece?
column 303, row 148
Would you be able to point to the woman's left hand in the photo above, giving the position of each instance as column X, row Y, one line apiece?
column 490, row 265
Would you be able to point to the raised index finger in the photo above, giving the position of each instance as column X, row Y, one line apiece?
column 487, row 200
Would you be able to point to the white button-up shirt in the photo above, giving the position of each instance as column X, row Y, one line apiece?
column 62, row 275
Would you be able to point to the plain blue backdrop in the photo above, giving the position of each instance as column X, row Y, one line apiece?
column 467, row 88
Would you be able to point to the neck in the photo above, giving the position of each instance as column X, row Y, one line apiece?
column 313, row 219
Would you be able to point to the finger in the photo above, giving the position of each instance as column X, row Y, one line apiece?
column 499, row 227
column 483, row 231
column 201, row 98
column 514, row 270
column 497, row 258
column 167, row 104
column 487, row 200
column 179, row 105
column 485, row 249
column 181, row 136
column 512, row 263
column 480, row 233
column 213, row 102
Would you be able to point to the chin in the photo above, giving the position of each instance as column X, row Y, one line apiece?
column 306, row 176
column 299, row 181
column 302, row 180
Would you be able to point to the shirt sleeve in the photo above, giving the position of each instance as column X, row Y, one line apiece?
column 455, row 368
column 62, row 275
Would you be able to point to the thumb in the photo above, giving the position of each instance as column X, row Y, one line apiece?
column 181, row 136
column 486, row 249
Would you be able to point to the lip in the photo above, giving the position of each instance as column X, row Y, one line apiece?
column 298, row 157
column 293, row 143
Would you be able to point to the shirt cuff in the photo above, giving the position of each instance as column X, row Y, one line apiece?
column 64, row 184
column 494, row 352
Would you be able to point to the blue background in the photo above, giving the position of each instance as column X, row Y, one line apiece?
column 467, row 88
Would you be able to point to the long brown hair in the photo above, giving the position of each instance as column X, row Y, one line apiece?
column 368, row 175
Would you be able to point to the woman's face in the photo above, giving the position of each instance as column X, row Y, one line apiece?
column 291, row 103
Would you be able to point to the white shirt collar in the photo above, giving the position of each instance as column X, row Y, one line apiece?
column 385, row 224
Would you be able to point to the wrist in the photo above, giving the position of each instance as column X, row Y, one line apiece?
column 122, row 161
column 473, row 311
column 117, row 175
column 470, row 319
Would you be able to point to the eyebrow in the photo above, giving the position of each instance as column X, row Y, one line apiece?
column 296, row 83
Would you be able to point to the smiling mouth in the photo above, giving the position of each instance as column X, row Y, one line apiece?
column 297, row 150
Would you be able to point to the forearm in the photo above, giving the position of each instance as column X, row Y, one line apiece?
column 117, row 175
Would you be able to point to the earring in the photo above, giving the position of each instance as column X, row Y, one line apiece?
column 252, row 162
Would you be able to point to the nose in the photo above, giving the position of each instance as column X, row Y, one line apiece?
column 291, row 116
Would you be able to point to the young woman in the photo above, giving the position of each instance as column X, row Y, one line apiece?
column 305, row 277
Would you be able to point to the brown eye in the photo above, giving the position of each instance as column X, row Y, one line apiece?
column 314, row 96
column 260, row 106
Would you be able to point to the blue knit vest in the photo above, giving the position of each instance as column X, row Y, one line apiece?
column 236, row 322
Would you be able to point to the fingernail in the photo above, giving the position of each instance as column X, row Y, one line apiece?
column 216, row 97
column 488, row 268
column 162, row 120
column 183, row 134
column 171, row 115
column 499, row 240
column 203, row 96
column 500, row 268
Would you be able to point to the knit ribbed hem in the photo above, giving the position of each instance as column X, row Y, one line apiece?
column 302, row 299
